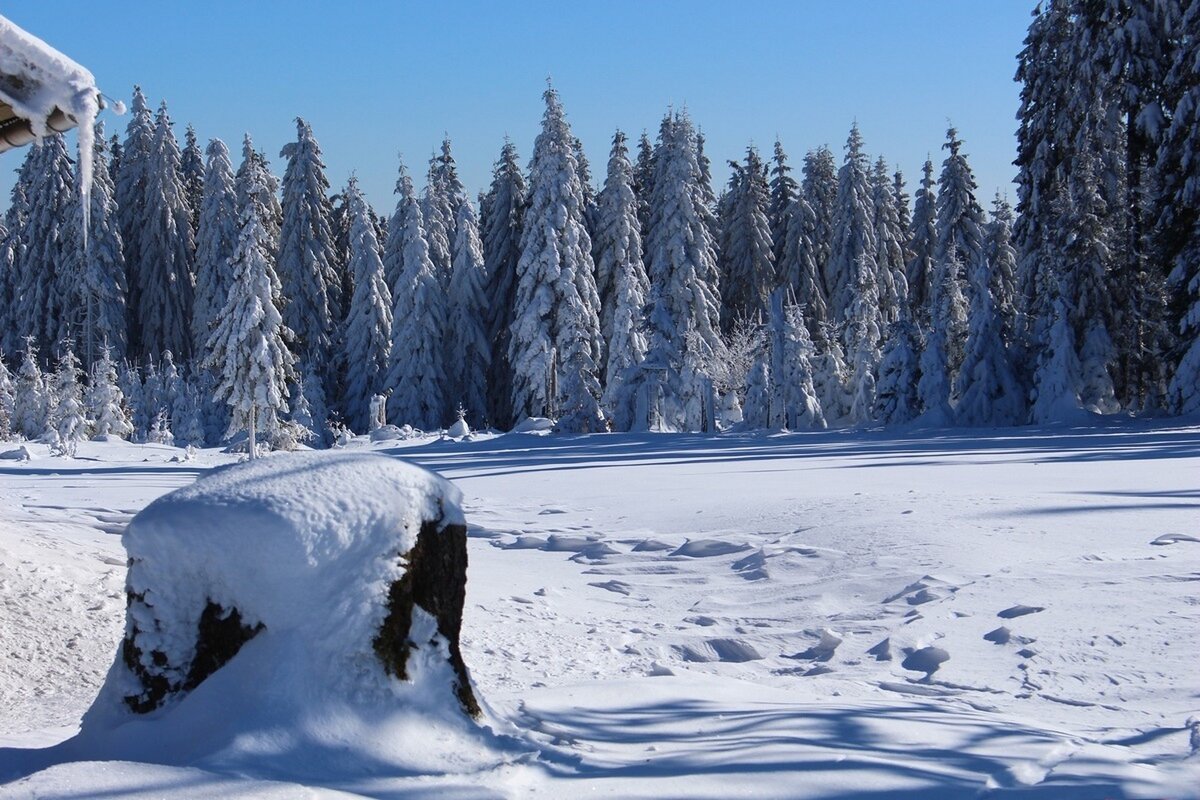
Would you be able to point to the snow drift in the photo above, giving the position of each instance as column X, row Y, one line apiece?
column 294, row 615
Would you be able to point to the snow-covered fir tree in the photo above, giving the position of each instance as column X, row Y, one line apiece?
column 101, row 290
column 191, row 173
column 988, row 390
column 889, row 246
column 249, row 344
column 643, row 181
column 684, row 309
column 367, row 344
column 468, row 348
column 864, row 331
column 68, row 421
column 853, row 246
column 306, row 258
column 105, row 402
column 1087, row 249
column 500, row 231
column 216, row 239
column 130, row 383
column 187, row 423
column 897, row 400
column 959, row 240
column 998, row 251
column 903, row 216
column 623, row 284
column 799, row 270
column 793, row 398
column 923, row 244
column 8, row 407
column 1056, row 381
column 943, row 341
column 819, row 188
column 165, row 251
column 32, row 396
column 756, row 411
column 131, row 197
column 12, row 256
column 45, row 312
column 160, row 431
column 830, row 375
column 555, row 347
column 416, row 372
column 443, row 195
column 784, row 191
column 747, row 252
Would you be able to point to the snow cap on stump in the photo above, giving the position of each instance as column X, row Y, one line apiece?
column 302, row 609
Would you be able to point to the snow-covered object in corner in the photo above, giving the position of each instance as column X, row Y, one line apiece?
column 36, row 79
column 306, row 546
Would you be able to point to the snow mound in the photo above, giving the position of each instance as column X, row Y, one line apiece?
column 281, row 621
column 534, row 425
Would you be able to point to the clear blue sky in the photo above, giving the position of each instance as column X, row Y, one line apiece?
column 376, row 79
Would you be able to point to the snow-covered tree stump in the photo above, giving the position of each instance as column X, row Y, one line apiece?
column 276, row 592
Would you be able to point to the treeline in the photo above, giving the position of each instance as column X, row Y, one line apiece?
column 790, row 300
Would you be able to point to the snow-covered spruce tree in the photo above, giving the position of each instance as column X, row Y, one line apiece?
column 8, row 396
column 793, row 398
column 643, row 181
column 131, row 200
column 216, row 239
column 942, row 339
column 174, row 387
column 160, row 430
column 585, row 181
column 684, row 316
column 105, row 402
column 959, row 223
column 999, row 252
column 32, row 396
column 798, row 271
column 853, row 246
column 896, row 398
column 830, row 375
column 187, row 423
column 1178, row 228
column 416, row 373
column 889, row 245
column 819, row 188
column 153, row 395
column 342, row 289
column 45, row 313
column 500, row 230
column 747, row 253
column 367, row 344
column 988, row 391
column 443, row 195
column 68, row 419
column 784, row 191
column 253, row 171
column 469, row 351
column 1087, row 258
column 306, row 258
column 756, row 411
column 103, row 288
column 248, row 347
column 130, row 383
column 191, row 173
column 623, row 284
column 1056, row 381
column 166, row 250
column 903, row 217
column 12, row 256
column 555, row 347
column 923, row 244
column 864, row 331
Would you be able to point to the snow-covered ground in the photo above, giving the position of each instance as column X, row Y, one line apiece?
column 843, row 614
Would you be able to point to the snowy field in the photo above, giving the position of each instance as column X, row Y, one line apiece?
column 842, row 614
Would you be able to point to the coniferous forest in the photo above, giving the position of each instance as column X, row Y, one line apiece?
column 209, row 296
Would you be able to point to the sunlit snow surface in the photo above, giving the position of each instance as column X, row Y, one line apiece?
column 844, row 614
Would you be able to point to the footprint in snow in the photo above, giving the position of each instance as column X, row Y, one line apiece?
column 823, row 650
column 1001, row 635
